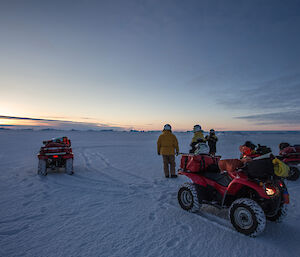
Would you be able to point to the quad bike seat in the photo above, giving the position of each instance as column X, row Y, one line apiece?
column 221, row 178
column 231, row 166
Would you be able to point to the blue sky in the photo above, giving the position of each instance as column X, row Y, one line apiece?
column 228, row 65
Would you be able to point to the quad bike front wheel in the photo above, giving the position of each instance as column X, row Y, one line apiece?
column 278, row 217
column 247, row 217
column 69, row 166
column 42, row 168
column 188, row 197
column 293, row 174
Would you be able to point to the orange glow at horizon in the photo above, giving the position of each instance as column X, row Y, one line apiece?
column 177, row 125
column 18, row 122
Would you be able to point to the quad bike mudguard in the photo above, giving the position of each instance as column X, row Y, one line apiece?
column 238, row 183
column 200, row 180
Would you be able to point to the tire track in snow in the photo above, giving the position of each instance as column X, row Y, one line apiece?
column 92, row 186
column 166, row 209
column 13, row 231
column 121, row 171
column 86, row 182
column 155, row 190
column 204, row 216
column 165, row 200
column 109, row 178
column 104, row 160
column 31, row 217
column 107, row 166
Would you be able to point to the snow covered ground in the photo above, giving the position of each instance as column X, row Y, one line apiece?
column 119, row 204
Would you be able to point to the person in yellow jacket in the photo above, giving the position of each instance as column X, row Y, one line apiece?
column 167, row 146
column 197, row 138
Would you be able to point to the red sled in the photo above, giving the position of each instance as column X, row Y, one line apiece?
column 247, row 152
column 56, row 153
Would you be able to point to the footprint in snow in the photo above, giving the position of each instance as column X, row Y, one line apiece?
column 43, row 209
column 99, row 204
column 29, row 195
column 124, row 202
column 162, row 198
column 186, row 228
column 173, row 242
column 35, row 217
column 45, row 195
column 146, row 186
column 30, row 185
column 25, row 204
column 152, row 216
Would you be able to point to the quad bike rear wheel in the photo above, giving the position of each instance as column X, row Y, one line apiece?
column 188, row 197
column 279, row 216
column 42, row 168
column 69, row 166
column 247, row 217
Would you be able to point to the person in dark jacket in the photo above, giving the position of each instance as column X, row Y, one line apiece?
column 167, row 144
column 212, row 142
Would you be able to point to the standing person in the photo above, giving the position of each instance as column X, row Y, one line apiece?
column 167, row 144
column 197, row 138
column 212, row 141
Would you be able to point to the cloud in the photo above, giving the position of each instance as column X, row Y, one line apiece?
column 271, row 102
column 280, row 93
column 286, row 118
column 56, row 124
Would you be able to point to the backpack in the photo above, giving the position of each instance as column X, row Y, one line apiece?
column 280, row 168
column 261, row 169
column 201, row 148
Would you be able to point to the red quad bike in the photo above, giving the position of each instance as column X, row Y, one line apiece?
column 290, row 155
column 253, row 153
column 252, row 196
column 56, row 153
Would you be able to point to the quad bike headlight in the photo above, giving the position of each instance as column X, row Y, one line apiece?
column 271, row 190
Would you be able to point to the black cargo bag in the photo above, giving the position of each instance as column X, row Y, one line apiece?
column 261, row 169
